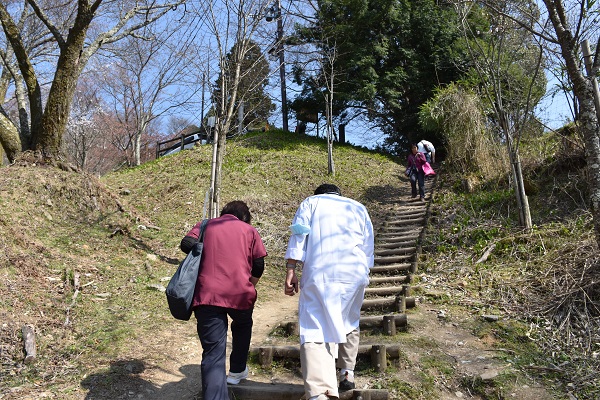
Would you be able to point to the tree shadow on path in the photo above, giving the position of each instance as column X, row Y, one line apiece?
column 124, row 381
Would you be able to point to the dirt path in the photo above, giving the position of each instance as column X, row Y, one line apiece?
column 174, row 372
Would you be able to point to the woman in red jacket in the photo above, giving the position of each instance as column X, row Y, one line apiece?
column 231, row 265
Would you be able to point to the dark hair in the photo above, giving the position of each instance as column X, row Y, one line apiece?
column 328, row 188
column 414, row 145
column 239, row 209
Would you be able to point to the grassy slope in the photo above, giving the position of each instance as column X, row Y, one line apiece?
column 542, row 284
column 55, row 225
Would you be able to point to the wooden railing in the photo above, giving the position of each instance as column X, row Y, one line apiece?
column 180, row 142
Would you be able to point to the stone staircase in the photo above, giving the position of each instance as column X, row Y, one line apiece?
column 397, row 245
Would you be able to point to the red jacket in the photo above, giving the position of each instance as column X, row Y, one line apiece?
column 230, row 245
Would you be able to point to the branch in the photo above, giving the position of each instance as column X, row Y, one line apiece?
column 114, row 34
column 492, row 6
column 44, row 18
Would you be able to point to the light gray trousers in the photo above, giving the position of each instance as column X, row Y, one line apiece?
column 318, row 363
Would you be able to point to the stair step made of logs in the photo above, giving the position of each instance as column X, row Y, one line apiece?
column 398, row 303
column 398, row 250
column 407, row 221
column 393, row 259
column 284, row 391
column 385, row 290
column 407, row 213
column 389, row 244
column 404, row 234
column 366, row 321
column 379, row 280
column 398, row 229
column 378, row 353
column 391, row 268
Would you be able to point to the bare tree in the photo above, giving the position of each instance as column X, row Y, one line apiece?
column 67, row 27
column 146, row 80
column 563, row 27
column 232, row 25
column 83, row 133
column 509, row 67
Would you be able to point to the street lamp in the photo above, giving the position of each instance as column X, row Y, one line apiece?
column 274, row 12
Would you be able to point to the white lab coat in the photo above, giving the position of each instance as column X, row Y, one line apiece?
column 337, row 256
column 422, row 149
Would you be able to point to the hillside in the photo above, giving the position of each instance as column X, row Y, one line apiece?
column 108, row 241
column 81, row 260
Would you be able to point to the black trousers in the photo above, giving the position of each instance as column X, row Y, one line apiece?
column 419, row 178
column 212, row 330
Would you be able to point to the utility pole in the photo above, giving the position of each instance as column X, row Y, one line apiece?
column 202, row 105
column 274, row 12
column 282, row 67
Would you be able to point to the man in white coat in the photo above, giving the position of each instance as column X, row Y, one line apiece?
column 333, row 237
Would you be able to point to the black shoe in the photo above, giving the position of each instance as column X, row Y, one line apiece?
column 346, row 385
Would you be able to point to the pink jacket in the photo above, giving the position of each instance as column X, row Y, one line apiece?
column 417, row 160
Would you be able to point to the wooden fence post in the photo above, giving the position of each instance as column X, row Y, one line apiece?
column 378, row 357
column 389, row 325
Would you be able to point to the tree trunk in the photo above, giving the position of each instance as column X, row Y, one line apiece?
column 525, row 213
column 56, row 114
column 583, row 89
column 34, row 92
column 9, row 138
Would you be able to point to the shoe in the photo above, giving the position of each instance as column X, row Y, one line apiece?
column 423, row 199
column 345, row 384
column 235, row 377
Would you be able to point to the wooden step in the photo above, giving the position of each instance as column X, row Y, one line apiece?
column 393, row 259
column 380, row 269
column 394, row 251
column 376, row 280
column 399, row 216
column 399, row 229
column 384, row 290
column 377, row 320
column 405, row 233
column 293, row 351
column 394, row 244
column 250, row 390
column 393, row 302
column 366, row 321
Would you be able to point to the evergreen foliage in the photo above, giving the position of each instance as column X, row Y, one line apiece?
column 390, row 56
column 253, row 81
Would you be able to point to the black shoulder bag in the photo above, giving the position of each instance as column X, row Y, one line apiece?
column 180, row 290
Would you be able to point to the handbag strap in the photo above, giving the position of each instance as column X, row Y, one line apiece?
column 202, row 228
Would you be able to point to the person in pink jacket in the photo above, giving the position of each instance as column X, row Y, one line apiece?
column 415, row 172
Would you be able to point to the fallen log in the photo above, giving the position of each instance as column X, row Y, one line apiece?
column 29, row 340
